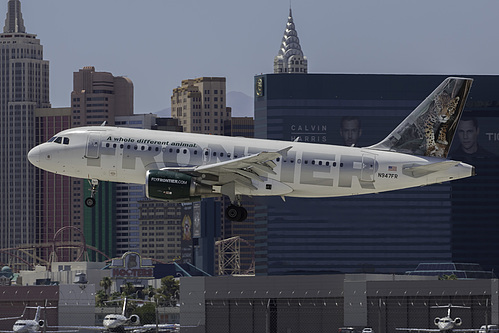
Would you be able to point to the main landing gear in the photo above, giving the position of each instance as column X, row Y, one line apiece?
column 90, row 201
column 236, row 212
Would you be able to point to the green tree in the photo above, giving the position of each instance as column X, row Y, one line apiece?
column 100, row 298
column 147, row 313
column 128, row 289
column 168, row 293
column 106, row 283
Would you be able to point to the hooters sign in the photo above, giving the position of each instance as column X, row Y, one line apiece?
column 131, row 266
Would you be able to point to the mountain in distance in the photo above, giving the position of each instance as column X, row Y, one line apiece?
column 241, row 104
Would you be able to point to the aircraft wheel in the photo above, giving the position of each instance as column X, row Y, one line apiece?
column 90, row 202
column 232, row 213
column 236, row 213
column 244, row 214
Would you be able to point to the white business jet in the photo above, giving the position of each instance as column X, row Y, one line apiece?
column 120, row 323
column 185, row 167
column 445, row 324
column 28, row 325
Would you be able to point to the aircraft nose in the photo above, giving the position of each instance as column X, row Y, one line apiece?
column 34, row 156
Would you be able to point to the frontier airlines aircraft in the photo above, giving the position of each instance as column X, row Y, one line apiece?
column 184, row 167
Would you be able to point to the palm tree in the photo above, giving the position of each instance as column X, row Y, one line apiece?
column 106, row 283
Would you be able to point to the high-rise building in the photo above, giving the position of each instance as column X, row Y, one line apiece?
column 98, row 97
column 128, row 195
column 24, row 86
column 388, row 232
column 54, row 212
column 200, row 105
column 290, row 58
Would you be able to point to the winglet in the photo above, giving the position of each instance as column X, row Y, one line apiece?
column 284, row 152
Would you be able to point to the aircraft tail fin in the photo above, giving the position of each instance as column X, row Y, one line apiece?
column 430, row 128
column 38, row 314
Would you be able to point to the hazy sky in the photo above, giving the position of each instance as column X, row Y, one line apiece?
column 158, row 43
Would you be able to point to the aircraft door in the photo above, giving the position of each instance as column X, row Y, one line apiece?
column 368, row 167
column 93, row 145
column 206, row 155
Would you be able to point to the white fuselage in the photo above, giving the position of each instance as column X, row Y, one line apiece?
column 308, row 170
column 26, row 326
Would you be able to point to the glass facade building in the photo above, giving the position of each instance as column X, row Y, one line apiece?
column 387, row 232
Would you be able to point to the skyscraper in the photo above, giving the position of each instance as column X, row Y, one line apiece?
column 24, row 86
column 290, row 58
column 200, row 105
column 98, row 97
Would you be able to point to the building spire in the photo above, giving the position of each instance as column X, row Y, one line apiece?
column 14, row 21
column 290, row 58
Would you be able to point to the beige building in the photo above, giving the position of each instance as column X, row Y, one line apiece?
column 99, row 97
column 160, row 230
column 200, row 105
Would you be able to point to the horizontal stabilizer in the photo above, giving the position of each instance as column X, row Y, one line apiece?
column 423, row 170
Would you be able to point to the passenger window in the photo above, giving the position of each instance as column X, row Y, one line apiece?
column 58, row 140
column 65, row 141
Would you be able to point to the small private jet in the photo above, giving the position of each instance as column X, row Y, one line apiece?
column 186, row 167
column 445, row 324
column 28, row 325
column 120, row 323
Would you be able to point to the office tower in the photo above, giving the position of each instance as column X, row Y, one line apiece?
column 160, row 222
column 128, row 195
column 54, row 212
column 290, row 58
column 388, row 232
column 199, row 104
column 24, row 86
column 98, row 97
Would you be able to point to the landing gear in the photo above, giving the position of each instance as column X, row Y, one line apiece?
column 90, row 201
column 236, row 213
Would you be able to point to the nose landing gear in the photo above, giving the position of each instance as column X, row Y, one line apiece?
column 90, row 201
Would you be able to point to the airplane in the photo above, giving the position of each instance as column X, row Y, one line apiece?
column 445, row 324
column 186, row 167
column 28, row 325
column 121, row 323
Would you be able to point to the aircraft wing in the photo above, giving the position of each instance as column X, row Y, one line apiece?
column 90, row 328
column 152, row 328
column 418, row 329
column 241, row 170
column 9, row 318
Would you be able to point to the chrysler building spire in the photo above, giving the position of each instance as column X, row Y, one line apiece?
column 290, row 58
column 14, row 21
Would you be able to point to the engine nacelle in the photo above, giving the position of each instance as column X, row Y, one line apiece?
column 458, row 321
column 41, row 323
column 436, row 321
column 134, row 320
column 174, row 186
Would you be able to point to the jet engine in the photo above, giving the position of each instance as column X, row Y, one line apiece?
column 458, row 321
column 174, row 186
column 134, row 320
column 41, row 323
column 436, row 321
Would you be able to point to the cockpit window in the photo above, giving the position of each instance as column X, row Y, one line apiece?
column 60, row 139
